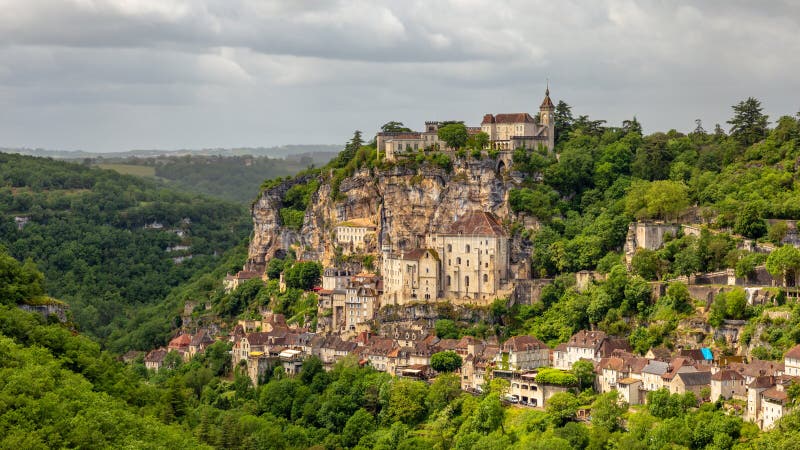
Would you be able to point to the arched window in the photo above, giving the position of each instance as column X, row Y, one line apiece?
column 467, row 262
column 485, row 278
column 449, row 248
column 448, row 280
column 467, row 248
column 466, row 281
column 458, row 261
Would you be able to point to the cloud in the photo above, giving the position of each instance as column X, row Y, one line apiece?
column 264, row 70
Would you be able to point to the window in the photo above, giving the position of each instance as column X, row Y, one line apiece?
column 458, row 261
column 485, row 278
column 468, row 263
column 448, row 280
column 467, row 248
column 449, row 248
column 466, row 281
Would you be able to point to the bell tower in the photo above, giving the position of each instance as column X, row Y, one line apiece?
column 546, row 119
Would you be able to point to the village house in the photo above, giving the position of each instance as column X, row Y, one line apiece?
column 727, row 384
column 410, row 276
column 652, row 375
column 590, row 345
column 155, row 359
column 773, row 406
column 231, row 282
column 791, row 362
column 523, row 353
column 181, row 344
column 690, row 382
column 353, row 235
column 630, row 391
column 621, row 365
column 199, row 342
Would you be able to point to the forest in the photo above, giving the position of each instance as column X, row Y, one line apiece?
column 114, row 246
column 234, row 178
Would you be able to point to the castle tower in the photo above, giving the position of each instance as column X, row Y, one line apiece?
column 546, row 119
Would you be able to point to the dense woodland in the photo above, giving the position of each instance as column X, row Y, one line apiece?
column 233, row 178
column 87, row 232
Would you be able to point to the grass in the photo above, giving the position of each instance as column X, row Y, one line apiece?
column 131, row 169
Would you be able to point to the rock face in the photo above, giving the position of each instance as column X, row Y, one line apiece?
column 405, row 203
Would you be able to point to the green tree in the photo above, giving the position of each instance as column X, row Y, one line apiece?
column 784, row 262
column 446, row 361
column 360, row 424
column 749, row 222
column 395, row 127
column 303, row 275
column 446, row 329
column 561, row 407
column 444, row 389
column 749, row 124
column 407, row 401
column 607, row 411
column 584, row 372
column 454, row 135
column 562, row 121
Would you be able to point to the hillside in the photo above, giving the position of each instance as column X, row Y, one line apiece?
column 111, row 245
column 234, row 178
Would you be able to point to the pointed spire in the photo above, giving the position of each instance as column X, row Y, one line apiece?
column 547, row 103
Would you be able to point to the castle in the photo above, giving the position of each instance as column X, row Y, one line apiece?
column 506, row 132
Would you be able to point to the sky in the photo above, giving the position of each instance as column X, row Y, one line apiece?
column 114, row 75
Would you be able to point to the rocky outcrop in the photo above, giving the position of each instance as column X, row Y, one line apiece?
column 405, row 203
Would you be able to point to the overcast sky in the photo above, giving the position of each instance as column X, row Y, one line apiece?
column 108, row 75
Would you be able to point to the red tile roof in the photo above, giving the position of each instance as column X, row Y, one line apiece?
column 793, row 352
column 476, row 223
column 508, row 118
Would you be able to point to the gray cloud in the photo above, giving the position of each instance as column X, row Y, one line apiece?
column 114, row 74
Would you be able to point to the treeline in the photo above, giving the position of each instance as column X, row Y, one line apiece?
column 102, row 238
column 233, row 178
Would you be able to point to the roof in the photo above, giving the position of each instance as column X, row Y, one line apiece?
column 156, row 355
column 417, row 254
column 694, row 378
column 181, row 341
column 523, row 343
column 360, row 222
column 587, row 339
column 627, row 381
column 201, row 338
column 257, row 338
column 547, row 103
column 762, row 382
column 656, row 367
column 775, row 395
column 793, row 352
column 476, row 223
column 508, row 118
column 726, row 375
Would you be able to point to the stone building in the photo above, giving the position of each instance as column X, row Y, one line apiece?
column 411, row 276
column 506, row 132
column 521, row 130
column 474, row 258
column 523, row 353
column 353, row 235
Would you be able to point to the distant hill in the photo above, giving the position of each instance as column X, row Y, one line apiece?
column 235, row 178
column 114, row 246
column 274, row 152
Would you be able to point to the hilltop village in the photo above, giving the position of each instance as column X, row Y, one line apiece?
column 406, row 245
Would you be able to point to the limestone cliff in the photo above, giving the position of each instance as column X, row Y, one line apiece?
column 406, row 204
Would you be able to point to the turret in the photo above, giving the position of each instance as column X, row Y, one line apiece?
column 546, row 109
column 546, row 119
